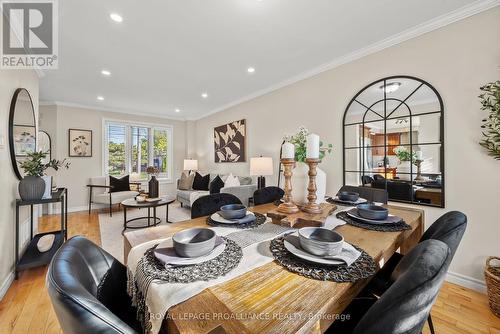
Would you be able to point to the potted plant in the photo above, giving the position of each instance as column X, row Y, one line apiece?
column 406, row 159
column 153, row 185
column 300, row 179
column 32, row 186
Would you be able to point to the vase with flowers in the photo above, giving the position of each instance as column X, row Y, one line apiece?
column 32, row 186
column 300, row 179
column 153, row 184
column 406, row 159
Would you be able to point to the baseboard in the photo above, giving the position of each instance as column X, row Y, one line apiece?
column 6, row 284
column 466, row 282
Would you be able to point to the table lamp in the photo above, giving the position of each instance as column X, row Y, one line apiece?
column 190, row 165
column 261, row 167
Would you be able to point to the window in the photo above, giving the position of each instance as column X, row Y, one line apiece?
column 131, row 148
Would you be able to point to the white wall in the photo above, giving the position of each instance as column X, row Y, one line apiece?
column 10, row 80
column 456, row 60
column 77, row 176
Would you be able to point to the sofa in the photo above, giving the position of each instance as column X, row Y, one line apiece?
column 244, row 191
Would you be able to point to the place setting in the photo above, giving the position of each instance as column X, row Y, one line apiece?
column 322, row 254
column 372, row 216
column 236, row 216
column 346, row 198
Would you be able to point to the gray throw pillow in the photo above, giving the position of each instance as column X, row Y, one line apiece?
column 245, row 180
column 186, row 181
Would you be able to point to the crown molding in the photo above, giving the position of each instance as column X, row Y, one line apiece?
column 106, row 109
column 421, row 29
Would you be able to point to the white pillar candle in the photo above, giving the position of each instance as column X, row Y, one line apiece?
column 420, row 156
column 312, row 146
column 288, row 151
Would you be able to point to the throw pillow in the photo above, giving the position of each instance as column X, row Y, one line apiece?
column 245, row 180
column 232, row 181
column 186, row 181
column 119, row 184
column 216, row 185
column 201, row 182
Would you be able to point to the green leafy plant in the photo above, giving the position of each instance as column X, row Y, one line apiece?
column 403, row 154
column 300, row 141
column 33, row 165
column 490, row 101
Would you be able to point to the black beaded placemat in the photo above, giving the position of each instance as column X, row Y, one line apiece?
column 400, row 226
column 362, row 268
column 259, row 220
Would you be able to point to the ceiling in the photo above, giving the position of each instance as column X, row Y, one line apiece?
column 166, row 53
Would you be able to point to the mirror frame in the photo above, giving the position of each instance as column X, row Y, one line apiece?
column 11, row 128
column 441, row 134
column 50, row 143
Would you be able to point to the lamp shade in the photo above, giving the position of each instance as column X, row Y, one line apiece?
column 190, row 164
column 261, row 166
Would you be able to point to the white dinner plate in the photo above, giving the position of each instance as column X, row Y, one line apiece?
column 166, row 254
column 216, row 217
column 292, row 244
column 391, row 219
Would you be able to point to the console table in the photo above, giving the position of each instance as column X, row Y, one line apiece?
column 31, row 257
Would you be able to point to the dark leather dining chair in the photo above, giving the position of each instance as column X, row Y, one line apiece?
column 366, row 179
column 267, row 195
column 88, row 289
column 206, row 205
column 371, row 194
column 406, row 305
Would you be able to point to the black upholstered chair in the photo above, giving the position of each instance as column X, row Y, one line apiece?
column 371, row 194
column 206, row 205
column 366, row 179
column 267, row 195
column 88, row 289
column 406, row 305
column 378, row 177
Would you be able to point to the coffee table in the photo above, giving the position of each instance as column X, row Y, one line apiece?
column 152, row 219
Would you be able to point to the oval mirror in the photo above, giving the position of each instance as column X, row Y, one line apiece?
column 22, row 129
column 44, row 145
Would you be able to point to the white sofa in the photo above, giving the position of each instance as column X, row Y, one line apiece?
column 99, row 193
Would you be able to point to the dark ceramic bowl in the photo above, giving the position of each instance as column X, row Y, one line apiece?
column 348, row 196
column 372, row 211
column 320, row 241
column 233, row 211
column 194, row 242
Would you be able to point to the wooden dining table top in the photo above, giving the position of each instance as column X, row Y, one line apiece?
column 270, row 299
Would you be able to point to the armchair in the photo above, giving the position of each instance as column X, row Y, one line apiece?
column 100, row 193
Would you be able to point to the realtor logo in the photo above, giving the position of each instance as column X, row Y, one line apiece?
column 29, row 34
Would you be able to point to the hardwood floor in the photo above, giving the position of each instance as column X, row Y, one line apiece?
column 26, row 307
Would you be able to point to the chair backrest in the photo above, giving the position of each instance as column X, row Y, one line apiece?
column 99, row 181
column 449, row 228
column 206, row 205
column 267, row 195
column 369, row 193
column 366, row 179
column 88, row 289
column 405, row 306
column 378, row 177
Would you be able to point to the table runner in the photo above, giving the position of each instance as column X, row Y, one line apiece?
column 161, row 296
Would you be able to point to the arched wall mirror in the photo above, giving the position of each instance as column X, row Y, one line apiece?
column 394, row 140
column 45, row 145
column 22, row 129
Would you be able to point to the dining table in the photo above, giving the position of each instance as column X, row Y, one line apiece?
column 269, row 298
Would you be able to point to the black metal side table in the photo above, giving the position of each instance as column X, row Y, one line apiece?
column 32, row 257
column 152, row 220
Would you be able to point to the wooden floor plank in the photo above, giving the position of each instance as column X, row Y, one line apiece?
column 26, row 307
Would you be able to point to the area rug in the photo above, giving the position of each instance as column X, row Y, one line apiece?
column 111, row 227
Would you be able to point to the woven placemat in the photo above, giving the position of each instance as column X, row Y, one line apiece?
column 219, row 266
column 259, row 220
column 401, row 226
column 362, row 268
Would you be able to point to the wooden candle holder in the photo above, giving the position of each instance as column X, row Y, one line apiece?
column 288, row 206
column 312, row 206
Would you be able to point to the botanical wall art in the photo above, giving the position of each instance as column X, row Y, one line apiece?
column 490, row 102
column 80, row 143
column 229, row 142
column 24, row 139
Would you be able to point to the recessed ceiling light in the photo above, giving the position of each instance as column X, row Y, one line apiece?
column 106, row 73
column 391, row 87
column 100, row 98
column 204, row 95
column 177, row 110
column 251, row 70
column 116, row 17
